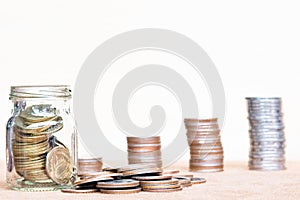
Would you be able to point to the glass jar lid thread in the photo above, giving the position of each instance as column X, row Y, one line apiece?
column 40, row 92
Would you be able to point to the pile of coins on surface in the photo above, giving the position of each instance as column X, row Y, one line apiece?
column 206, row 148
column 89, row 165
column 38, row 155
column 133, row 179
column 267, row 139
column 144, row 150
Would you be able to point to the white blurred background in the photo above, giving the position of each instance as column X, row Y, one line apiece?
column 255, row 47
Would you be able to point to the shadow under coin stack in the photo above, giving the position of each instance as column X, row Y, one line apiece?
column 144, row 150
column 206, row 148
column 266, row 132
column 89, row 165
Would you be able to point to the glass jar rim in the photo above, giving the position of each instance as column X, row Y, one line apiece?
column 40, row 92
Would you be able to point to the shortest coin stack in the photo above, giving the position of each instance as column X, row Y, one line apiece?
column 144, row 150
column 89, row 165
column 206, row 148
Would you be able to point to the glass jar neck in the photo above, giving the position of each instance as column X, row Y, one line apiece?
column 57, row 96
column 54, row 92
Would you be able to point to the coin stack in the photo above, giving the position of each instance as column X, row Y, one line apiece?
column 121, row 186
column 206, row 148
column 36, row 149
column 163, row 183
column 267, row 139
column 89, row 165
column 144, row 150
column 184, row 181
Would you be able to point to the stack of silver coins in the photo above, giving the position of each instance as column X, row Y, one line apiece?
column 89, row 165
column 206, row 148
column 144, row 150
column 267, row 139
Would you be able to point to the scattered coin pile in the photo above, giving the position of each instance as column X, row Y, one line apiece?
column 89, row 165
column 144, row 150
column 206, row 148
column 267, row 139
column 133, row 179
column 35, row 148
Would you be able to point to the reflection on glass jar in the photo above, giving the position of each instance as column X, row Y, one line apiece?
column 41, row 139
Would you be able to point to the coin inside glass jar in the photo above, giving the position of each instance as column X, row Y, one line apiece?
column 33, row 141
column 58, row 165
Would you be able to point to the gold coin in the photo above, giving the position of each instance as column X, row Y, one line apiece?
column 22, row 162
column 30, row 145
column 30, row 152
column 30, row 139
column 34, row 166
column 59, row 165
column 35, row 175
column 28, row 158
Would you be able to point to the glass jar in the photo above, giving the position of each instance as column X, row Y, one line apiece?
column 41, row 139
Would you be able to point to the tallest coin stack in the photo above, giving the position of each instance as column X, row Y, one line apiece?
column 266, row 134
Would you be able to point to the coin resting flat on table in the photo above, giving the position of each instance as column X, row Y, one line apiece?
column 164, row 190
column 149, row 178
column 91, row 180
column 120, row 191
column 196, row 180
column 160, row 182
column 79, row 191
column 122, row 183
column 162, row 186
